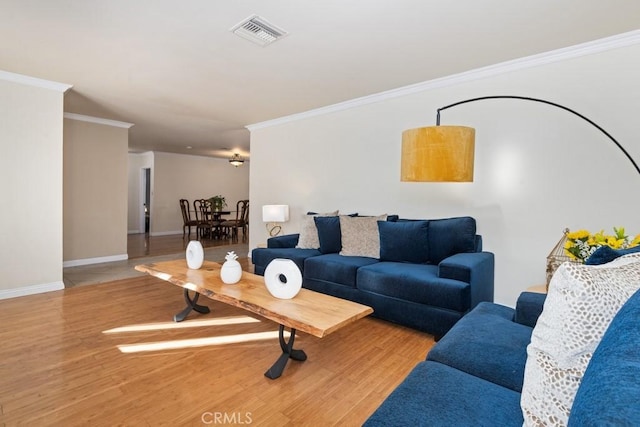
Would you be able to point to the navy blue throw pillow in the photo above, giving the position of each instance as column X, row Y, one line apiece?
column 451, row 236
column 329, row 234
column 404, row 241
column 605, row 254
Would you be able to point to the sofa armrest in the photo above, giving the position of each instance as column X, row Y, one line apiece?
column 286, row 241
column 475, row 268
column 529, row 307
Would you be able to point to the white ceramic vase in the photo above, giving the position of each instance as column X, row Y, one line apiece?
column 195, row 255
column 231, row 271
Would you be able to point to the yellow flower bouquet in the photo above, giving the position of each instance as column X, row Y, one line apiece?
column 581, row 244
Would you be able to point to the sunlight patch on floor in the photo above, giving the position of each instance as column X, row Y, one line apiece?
column 198, row 342
column 221, row 321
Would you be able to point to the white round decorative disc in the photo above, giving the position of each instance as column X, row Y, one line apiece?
column 283, row 278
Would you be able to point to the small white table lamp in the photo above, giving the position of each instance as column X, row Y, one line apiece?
column 273, row 215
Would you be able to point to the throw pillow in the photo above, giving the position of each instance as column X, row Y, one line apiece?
column 451, row 236
column 329, row 234
column 309, row 233
column 581, row 302
column 406, row 241
column 610, row 389
column 360, row 236
column 605, row 254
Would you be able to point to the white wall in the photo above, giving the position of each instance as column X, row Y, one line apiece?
column 95, row 190
column 538, row 169
column 178, row 176
column 31, row 186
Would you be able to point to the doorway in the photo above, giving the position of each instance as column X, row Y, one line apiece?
column 145, row 195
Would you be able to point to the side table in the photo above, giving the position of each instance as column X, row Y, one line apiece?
column 542, row 289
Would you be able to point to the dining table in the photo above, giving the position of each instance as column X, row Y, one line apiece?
column 216, row 216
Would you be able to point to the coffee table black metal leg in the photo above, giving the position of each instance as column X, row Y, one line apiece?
column 288, row 352
column 191, row 305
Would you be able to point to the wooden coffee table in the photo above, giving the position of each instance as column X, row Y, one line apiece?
column 311, row 312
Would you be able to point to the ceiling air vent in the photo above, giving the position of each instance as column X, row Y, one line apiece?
column 258, row 30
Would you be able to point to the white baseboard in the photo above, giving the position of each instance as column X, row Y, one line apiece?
column 30, row 290
column 133, row 232
column 164, row 233
column 98, row 260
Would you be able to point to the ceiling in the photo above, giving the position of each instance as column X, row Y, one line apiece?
column 175, row 70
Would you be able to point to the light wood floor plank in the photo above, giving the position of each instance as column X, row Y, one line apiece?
column 61, row 367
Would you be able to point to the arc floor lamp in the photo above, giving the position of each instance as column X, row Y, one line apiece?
column 445, row 153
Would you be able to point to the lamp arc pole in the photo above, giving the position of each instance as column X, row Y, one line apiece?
column 543, row 101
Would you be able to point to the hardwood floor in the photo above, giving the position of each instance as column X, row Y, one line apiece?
column 142, row 245
column 110, row 354
column 142, row 249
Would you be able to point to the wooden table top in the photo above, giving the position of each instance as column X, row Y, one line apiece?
column 311, row 312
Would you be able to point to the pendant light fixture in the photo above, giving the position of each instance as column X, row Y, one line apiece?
column 236, row 160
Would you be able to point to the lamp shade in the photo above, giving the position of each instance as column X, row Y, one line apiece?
column 275, row 213
column 438, row 154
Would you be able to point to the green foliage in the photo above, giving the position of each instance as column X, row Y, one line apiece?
column 217, row 202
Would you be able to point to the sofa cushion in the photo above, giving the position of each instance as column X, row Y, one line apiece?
column 581, row 302
column 335, row 268
column 360, row 236
column 610, row 389
column 438, row 395
column 309, row 233
column 450, row 236
column 406, row 241
column 414, row 282
column 329, row 234
column 263, row 256
column 488, row 344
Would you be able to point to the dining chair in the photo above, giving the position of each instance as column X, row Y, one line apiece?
column 208, row 226
column 198, row 209
column 242, row 221
column 187, row 221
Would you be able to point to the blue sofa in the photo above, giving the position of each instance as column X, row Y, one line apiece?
column 430, row 292
column 473, row 376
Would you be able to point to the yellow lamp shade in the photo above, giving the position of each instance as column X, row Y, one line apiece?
column 438, row 154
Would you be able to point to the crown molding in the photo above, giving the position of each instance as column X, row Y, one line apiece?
column 98, row 120
column 583, row 49
column 34, row 81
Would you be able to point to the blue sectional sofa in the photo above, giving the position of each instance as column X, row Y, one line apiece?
column 429, row 273
column 473, row 376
